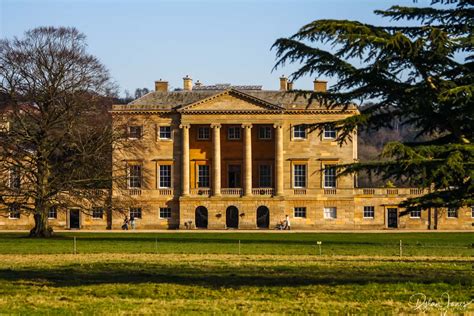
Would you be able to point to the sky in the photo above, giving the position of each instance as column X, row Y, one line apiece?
column 211, row 41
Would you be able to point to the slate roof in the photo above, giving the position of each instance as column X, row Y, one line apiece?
column 173, row 100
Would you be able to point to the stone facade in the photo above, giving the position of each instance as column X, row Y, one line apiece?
column 224, row 156
column 234, row 153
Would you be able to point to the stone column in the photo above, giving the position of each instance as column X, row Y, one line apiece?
column 278, row 159
column 247, row 159
column 185, row 159
column 216, row 159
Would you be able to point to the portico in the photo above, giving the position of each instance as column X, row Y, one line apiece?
column 239, row 176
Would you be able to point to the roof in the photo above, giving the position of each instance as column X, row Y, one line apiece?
column 176, row 100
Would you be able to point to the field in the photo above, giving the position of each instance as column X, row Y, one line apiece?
column 175, row 273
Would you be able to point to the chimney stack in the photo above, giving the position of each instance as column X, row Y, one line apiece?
column 320, row 85
column 187, row 83
column 283, row 83
column 290, row 85
column 161, row 86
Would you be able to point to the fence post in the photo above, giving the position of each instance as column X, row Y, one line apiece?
column 75, row 245
column 401, row 250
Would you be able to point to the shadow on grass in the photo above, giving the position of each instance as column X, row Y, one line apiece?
column 96, row 274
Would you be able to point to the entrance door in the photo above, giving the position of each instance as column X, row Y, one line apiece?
column 232, row 217
column 392, row 215
column 263, row 217
column 74, row 218
column 201, row 217
column 234, row 174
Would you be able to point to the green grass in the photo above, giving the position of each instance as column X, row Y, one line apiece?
column 386, row 244
column 196, row 273
column 225, row 284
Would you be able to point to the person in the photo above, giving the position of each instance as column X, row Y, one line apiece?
column 287, row 223
column 132, row 222
column 125, row 223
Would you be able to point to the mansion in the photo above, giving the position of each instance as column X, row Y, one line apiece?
column 223, row 156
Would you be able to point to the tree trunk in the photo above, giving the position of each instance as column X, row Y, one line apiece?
column 41, row 229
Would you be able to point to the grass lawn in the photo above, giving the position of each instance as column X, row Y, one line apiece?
column 203, row 273
column 349, row 244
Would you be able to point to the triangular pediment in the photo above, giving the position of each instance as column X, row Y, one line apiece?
column 230, row 101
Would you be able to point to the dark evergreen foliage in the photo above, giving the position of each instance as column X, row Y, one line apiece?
column 421, row 75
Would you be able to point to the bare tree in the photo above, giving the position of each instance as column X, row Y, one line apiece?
column 59, row 138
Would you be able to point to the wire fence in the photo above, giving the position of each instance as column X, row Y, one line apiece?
column 159, row 245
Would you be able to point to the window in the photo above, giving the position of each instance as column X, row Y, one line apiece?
column 97, row 212
column 299, row 132
column 135, row 212
column 134, row 176
column 299, row 174
column 233, row 133
column 452, row 212
column 329, row 132
column 165, row 132
column 203, row 176
column 165, row 176
column 329, row 176
column 53, row 212
column 472, row 211
column 330, row 212
column 415, row 213
column 300, row 212
column 165, row 212
column 204, row 133
column 265, row 132
column 265, row 176
column 14, row 211
column 15, row 180
column 369, row 211
column 135, row 132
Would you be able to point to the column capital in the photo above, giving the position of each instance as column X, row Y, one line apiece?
column 216, row 125
column 185, row 126
column 278, row 125
column 247, row 125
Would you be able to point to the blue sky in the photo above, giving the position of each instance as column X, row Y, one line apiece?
column 214, row 41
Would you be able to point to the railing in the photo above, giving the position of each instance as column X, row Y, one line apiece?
column 368, row 191
column 299, row 191
column 135, row 191
column 231, row 191
column 163, row 191
column 416, row 191
column 262, row 191
column 392, row 191
column 201, row 191
column 330, row 191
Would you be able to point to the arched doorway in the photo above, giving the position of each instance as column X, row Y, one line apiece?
column 232, row 217
column 201, row 217
column 263, row 217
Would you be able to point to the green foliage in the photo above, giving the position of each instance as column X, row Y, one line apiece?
column 419, row 74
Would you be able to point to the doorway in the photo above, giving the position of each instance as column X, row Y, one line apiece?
column 201, row 217
column 263, row 217
column 234, row 173
column 232, row 217
column 392, row 218
column 74, row 218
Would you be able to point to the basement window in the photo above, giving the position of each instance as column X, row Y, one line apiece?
column 97, row 212
column 53, row 212
column 14, row 212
